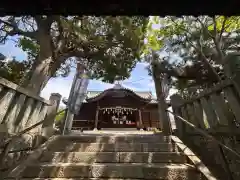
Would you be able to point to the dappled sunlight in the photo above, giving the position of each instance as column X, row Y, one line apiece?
column 139, row 156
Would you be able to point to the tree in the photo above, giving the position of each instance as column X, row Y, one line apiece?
column 150, row 50
column 203, row 41
column 205, row 45
column 108, row 46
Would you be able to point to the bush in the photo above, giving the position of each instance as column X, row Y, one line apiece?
column 59, row 119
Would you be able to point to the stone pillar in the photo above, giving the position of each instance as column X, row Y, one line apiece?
column 3, row 133
column 177, row 101
column 68, row 122
column 47, row 127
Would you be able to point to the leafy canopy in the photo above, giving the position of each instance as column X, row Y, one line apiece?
column 202, row 43
column 108, row 46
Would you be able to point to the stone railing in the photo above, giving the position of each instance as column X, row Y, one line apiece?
column 24, row 117
column 216, row 111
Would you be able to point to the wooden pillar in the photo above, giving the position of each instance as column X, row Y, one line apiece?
column 149, row 120
column 140, row 119
column 96, row 119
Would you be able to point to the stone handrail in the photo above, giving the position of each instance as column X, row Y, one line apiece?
column 20, row 108
column 215, row 110
column 24, row 115
column 10, row 85
column 206, row 134
column 194, row 159
column 209, row 124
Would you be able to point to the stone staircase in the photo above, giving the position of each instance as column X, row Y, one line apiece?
column 111, row 156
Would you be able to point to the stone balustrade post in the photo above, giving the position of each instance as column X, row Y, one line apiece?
column 176, row 101
column 47, row 127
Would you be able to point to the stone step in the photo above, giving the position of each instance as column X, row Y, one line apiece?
column 116, row 130
column 128, row 138
column 113, row 147
column 113, row 157
column 73, row 179
column 119, row 170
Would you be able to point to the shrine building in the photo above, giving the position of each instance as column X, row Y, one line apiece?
column 117, row 107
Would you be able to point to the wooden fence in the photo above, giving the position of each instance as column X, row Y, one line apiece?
column 216, row 111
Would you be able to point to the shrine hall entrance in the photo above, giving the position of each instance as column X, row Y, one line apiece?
column 118, row 117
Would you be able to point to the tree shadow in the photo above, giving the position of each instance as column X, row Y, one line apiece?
column 137, row 160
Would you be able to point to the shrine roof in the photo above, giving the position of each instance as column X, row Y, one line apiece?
column 96, row 95
column 144, row 95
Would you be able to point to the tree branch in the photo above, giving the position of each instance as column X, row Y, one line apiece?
column 16, row 31
column 199, row 51
column 60, row 39
column 204, row 27
column 223, row 27
column 204, row 57
column 185, row 74
column 217, row 41
column 214, row 25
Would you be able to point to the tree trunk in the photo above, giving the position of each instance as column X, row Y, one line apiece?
column 42, row 72
column 40, row 76
column 162, row 106
column 27, row 76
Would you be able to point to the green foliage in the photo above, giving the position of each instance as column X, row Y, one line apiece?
column 111, row 45
column 14, row 70
column 153, row 39
column 108, row 46
column 60, row 118
column 231, row 24
column 29, row 46
column 200, row 48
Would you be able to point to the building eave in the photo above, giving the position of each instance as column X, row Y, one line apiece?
column 104, row 93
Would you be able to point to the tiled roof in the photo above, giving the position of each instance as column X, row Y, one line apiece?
column 147, row 95
column 142, row 94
